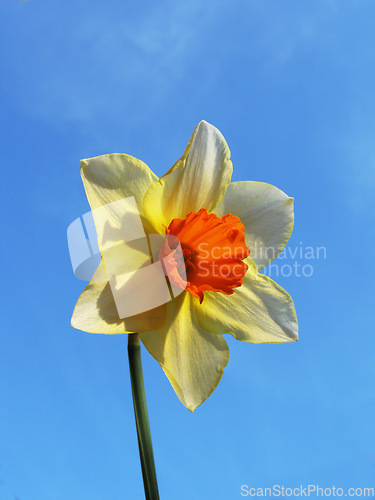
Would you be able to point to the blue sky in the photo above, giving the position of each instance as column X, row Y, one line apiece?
column 291, row 86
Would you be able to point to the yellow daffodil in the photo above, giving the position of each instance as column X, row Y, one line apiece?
column 227, row 231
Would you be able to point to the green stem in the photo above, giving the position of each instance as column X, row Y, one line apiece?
column 141, row 418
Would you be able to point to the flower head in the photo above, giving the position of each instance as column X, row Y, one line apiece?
column 218, row 235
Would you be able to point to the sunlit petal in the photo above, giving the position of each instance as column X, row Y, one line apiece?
column 198, row 180
column 192, row 358
column 96, row 312
column 259, row 311
column 267, row 214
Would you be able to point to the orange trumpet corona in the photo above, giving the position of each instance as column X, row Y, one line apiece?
column 213, row 250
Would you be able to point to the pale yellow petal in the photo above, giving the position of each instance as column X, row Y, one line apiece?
column 114, row 178
column 198, row 180
column 259, row 311
column 96, row 312
column 192, row 358
column 267, row 214
column 109, row 178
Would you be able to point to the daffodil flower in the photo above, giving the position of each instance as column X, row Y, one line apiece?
column 228, row 232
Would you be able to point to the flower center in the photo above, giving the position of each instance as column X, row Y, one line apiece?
column 211, row 255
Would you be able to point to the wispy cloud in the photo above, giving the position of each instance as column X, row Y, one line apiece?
column 76, row 64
